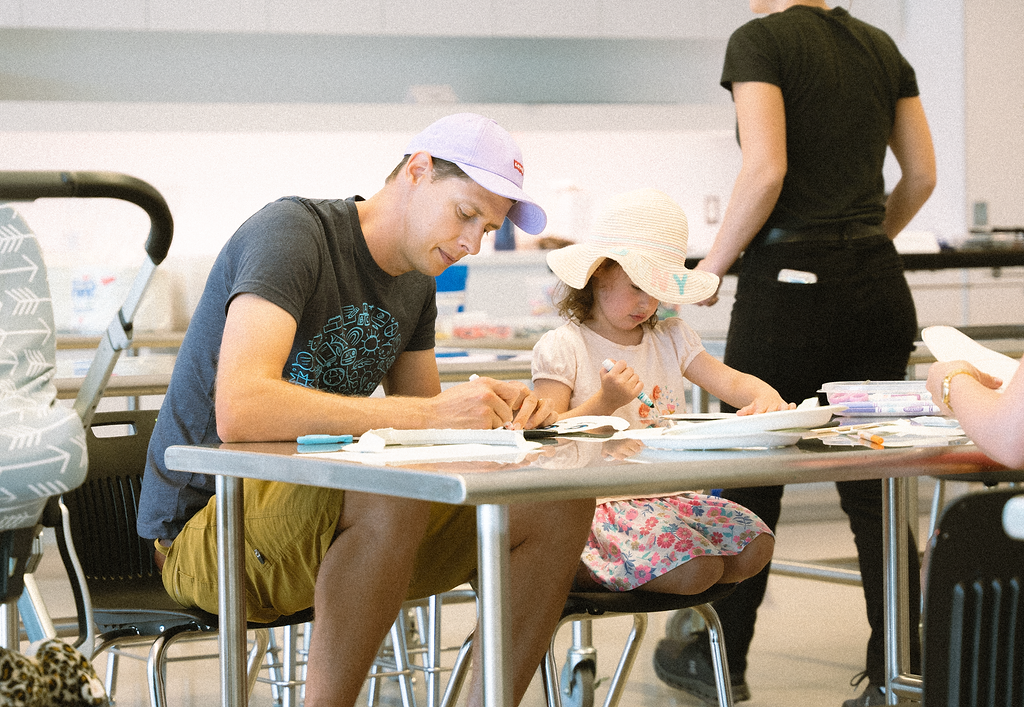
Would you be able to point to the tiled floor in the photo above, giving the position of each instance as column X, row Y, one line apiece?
column 809, row 643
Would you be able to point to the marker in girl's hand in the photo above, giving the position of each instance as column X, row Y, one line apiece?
column 643, row 397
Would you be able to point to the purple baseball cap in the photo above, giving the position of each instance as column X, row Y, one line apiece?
column 488, row 154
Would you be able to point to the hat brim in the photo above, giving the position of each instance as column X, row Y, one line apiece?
column 525, row 212
column 667, row 280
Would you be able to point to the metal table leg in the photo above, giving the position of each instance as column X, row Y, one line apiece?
column 230, row 592
column 493, row 571
column 899, row 682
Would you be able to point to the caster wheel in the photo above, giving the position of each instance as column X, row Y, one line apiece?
column 577, row 684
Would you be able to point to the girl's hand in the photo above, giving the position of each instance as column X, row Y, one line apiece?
column 769, row 402
column 620, row 385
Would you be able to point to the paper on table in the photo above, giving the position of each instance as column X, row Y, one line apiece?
column 918, row 432
column 376, row 440
column 949, row 344
column 434, row 453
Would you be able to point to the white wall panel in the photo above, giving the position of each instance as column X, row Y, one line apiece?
column 325, row 16
column 10, row 13
column 662, row 19
column 84, row 14
column 721, row 17
column 545, row 18
column 208, row 15
column 437, row 17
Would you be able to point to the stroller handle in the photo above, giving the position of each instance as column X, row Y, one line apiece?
column 31, row 185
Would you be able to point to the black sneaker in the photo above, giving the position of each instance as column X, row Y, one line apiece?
column 872, row 696
column 686, row 666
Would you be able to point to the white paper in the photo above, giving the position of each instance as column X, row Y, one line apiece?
column 434, row 453
column 949, row 344
column 377, row 439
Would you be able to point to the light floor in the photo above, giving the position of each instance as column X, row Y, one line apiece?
column 809, row 643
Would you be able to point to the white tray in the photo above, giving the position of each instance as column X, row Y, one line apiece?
column 724, row 441
column 800, row 418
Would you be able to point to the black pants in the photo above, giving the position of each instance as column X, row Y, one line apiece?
column 857, row 322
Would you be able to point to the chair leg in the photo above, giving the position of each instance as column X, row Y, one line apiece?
column 110, row 679
column 254, row 662
column 155, row 668
column 549, row 676
column 625, row 667
column 718, row 660
column 457, row 678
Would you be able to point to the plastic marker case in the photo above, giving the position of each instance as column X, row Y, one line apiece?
column 881, row 398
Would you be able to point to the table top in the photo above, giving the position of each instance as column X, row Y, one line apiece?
column 575, row 468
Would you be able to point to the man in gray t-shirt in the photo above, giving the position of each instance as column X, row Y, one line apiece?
column 309, row 307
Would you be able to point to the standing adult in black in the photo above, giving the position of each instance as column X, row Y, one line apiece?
column 819, row 96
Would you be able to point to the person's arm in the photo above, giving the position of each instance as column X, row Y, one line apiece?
column 993, row 420
column 619, row 387
column 761, row 117
column 911, row 144
column 254, row 403
column 749, row 394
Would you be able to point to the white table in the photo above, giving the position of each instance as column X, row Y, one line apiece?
column 491, row 492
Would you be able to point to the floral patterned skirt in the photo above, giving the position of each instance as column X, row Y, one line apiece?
column 632, row 542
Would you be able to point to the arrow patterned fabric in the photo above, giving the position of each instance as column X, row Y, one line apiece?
column 42, row 443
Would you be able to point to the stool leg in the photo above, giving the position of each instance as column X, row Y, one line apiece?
column 402, row 661
column 271, row 659
column 289, row 659
column 433, row 656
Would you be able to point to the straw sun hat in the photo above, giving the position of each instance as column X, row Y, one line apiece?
column 645, row 232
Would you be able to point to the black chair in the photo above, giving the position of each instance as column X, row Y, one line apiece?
column 974, row 604
column 577, row 682
column 123, row 597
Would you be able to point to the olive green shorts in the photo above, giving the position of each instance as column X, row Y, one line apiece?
column 288, row 530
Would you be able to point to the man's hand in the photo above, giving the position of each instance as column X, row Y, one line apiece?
column 486, row 403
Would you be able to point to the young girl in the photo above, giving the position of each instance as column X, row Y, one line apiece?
column 610, row 290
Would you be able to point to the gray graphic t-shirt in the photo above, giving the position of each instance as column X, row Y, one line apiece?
column 354, row 320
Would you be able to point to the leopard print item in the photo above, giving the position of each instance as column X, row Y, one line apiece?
column 56, row 676
column 21, row 681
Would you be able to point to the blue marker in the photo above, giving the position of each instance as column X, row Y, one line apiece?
column 643, row 397
column 324, row 439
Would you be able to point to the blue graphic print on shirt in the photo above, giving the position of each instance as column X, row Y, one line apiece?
column 351, row 354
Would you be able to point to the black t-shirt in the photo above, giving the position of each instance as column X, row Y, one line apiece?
column 840, row 80
column 308, row 257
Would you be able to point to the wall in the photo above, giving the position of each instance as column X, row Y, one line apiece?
column 995, row 109
column 227, row 118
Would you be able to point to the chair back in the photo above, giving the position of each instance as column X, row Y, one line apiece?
column 122, row 577
column 974, row 604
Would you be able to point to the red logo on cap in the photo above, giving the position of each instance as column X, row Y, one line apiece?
column 518, row 165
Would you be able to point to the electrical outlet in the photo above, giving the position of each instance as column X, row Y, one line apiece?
column 712, row 214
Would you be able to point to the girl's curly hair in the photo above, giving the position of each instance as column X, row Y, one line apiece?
column 578, row 305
